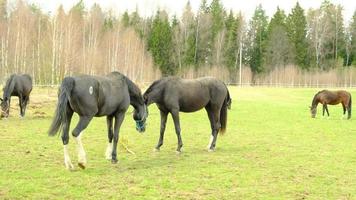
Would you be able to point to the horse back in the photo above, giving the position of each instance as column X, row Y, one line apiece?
column 98, row 96
column 193, row 95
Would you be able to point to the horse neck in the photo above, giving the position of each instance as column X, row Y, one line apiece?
column 154, row 92
column 315, row 100
column 134, row 92
column 9, row 88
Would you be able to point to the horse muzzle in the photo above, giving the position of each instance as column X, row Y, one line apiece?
column 141, row 125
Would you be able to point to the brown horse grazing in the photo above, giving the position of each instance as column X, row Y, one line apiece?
column 173, row 94
column 332, row 98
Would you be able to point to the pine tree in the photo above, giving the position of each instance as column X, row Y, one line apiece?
column 160, row 44
column 257, row 35
column 3, row 10
column 297, row 31
column 189, row 35
column 231, row 41
column 125, row 19
column 278, row 48
column 353, row 39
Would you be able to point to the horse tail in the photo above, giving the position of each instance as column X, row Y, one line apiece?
column 223, row 112
column 60, row 115
column 350, row 105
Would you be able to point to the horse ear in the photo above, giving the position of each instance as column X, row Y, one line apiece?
column 1, row 99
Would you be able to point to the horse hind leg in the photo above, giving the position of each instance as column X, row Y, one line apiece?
column 77, row 132
column 65, row 139
column 24, row 104
column 214, row 118
column 21, row 106
column 108, row 152
column 344, row 110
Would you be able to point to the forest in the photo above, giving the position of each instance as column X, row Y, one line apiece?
column 305, row 47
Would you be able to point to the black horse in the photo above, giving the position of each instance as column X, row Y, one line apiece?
column 96, row 96
column 173, row 95
column 16, row 85
column 326, row 97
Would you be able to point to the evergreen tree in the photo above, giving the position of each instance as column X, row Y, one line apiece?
column 3, row 10
column 231, row 41
column 160, row 44
column 216, row 42
column 257, row 36
column 278, row 48
column 352, row 30
column 125, row 19
column 189, row 35
column 297, row 31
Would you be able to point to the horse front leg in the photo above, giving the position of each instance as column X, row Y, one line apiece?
column 324, row 109
column 108, row 153
column 175, row 116
column 327, row 110
column 162, row 129
column 77, row 133
column 119, row 118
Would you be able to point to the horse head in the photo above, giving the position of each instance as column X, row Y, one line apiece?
column 312, row 111
column 140, row 113
column 5, row 107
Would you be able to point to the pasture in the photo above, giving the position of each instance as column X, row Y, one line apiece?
column 272, row 149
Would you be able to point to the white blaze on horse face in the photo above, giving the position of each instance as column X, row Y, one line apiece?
column 108, row 152
column 81, row 153
column 67, row 161
column 91, row 90
column 211, row 141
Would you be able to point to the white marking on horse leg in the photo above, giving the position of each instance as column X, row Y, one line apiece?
column 67, row 161
column 211, row 142
column 81, row 153
column 108, row 152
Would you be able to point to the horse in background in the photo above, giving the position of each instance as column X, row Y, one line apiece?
column 96, row 96
column 19, row 85
column 173, row 95
column 326, row 97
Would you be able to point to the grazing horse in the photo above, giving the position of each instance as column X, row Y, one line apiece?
column 96, row 96
column 172, row 95
column 16, row 85
column 332, row 98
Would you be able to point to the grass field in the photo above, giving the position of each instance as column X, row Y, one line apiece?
column 272, row 149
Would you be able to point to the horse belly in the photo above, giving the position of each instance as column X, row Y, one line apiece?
column 193, row 104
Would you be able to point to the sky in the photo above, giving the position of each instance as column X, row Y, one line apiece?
column 149, row 7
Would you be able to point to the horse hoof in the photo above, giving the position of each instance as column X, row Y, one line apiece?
column 81, row 165
column 178, row 152
column 156, row 150
column 114, row 161
column 211, row 150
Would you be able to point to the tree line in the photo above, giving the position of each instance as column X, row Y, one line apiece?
column 212, row 39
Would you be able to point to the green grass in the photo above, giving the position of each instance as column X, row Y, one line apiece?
column 272, row 149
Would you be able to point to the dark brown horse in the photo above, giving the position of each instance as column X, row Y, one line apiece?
column 173, row 95
column 326, row 97
column 20, row 86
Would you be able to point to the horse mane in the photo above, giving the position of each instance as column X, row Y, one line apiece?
column 158, row 82
column 314, row 102
column 9, row 87
column 133, row 88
